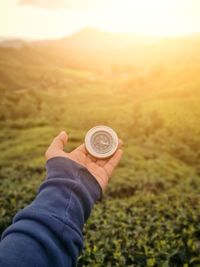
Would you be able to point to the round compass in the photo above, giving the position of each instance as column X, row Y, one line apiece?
column 101, row 142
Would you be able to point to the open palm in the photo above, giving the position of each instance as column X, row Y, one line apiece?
column 101, row 169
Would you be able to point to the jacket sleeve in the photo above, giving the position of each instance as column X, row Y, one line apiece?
column 48, row 232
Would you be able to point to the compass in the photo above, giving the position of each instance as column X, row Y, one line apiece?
column 101, row 142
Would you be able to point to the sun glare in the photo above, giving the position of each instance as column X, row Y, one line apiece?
column 157, row 17
column 151, row 17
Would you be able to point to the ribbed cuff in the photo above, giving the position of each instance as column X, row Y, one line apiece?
column 60, row 167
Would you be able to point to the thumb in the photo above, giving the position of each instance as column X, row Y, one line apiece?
column 59, row 141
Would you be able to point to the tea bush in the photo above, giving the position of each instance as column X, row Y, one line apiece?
column 150, row 213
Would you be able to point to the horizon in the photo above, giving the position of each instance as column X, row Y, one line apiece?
column 88, row 28
column 41, row 20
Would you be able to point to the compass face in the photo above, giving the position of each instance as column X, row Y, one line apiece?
column 101, row 142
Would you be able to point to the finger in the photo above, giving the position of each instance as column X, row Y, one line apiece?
column 120, row 143
column 59, row 141
column 113, row 162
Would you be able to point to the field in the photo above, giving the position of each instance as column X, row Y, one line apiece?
column 150, row 214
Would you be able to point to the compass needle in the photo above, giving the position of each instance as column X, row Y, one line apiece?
column 101, row 142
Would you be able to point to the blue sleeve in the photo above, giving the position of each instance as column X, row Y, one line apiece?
column 48, row 232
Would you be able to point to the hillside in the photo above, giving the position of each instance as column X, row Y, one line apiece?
column 149, row 93
column 94, row 50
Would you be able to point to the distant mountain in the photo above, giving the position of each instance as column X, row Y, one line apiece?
column 93, row 49
column 12, row 43
column 95, row 38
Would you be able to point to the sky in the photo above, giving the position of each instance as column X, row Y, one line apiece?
column 44, row 19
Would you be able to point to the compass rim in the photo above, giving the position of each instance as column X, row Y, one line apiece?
column 89, row 147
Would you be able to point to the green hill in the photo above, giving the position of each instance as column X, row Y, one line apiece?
column 150, row 95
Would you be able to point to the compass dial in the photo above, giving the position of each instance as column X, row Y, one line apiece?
column 101, row 142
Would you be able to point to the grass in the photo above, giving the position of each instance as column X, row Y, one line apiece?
column 150, row 213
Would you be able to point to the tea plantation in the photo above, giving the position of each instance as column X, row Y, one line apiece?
column 150, row 214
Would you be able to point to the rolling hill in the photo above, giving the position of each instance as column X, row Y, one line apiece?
column 148, row 90
column 96, row 50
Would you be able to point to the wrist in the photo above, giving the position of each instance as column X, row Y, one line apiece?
column 61, row 167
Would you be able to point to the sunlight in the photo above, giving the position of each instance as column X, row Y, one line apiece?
column 151, row 17
column 158, row 17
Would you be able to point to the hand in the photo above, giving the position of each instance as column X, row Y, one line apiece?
column 101, row 169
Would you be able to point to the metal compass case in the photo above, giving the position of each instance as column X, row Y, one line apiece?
column 101, row 142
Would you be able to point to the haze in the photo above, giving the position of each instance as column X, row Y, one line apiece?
column 51, row 19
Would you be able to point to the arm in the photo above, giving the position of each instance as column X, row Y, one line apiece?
column 48, row 232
